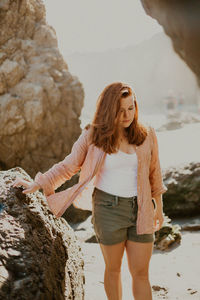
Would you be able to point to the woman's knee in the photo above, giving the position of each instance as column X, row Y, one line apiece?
column 113, row 273
column 113, row 269
column 139, row 273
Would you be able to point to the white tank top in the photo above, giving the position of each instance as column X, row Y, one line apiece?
column 118, row 174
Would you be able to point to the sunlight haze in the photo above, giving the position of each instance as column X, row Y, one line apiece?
column 91, row 25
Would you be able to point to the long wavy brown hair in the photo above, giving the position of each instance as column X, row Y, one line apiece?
column 105, row 129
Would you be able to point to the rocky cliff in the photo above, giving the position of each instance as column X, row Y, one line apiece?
column 40, row 101
column 181, row 22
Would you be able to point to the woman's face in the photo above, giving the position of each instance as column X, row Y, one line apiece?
column 127, row 111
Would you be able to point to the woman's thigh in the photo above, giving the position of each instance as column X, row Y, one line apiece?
column 113, row 255
column 138, row 257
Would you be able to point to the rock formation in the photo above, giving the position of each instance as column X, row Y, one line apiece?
column 182, row 198
column 167, row 235
column 40, row 257
column 40, row 101
column 181, row 22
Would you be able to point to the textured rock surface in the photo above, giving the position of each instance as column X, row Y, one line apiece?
column 40, row 101
column 167, row 235
column 181, row 22
column 40, row 257
column 183, row 195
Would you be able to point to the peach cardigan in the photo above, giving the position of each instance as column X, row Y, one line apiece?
column 88, row 158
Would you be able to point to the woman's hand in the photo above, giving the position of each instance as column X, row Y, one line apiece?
column 158, row 218
column 31, row 187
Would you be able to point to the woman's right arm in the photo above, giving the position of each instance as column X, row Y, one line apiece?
column 64, row 170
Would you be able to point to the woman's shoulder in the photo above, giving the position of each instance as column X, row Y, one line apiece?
column 87, row 132
column 151, row 134
column 149, row 128
column 150, row 131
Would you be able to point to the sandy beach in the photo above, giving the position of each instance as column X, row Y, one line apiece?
column 174, row 273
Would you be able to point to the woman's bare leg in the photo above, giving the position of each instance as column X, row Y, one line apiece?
column 113, row 255
column 138, row 256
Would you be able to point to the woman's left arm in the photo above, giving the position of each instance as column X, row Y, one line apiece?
column 155, row 172
column 158, row 215
column 65, row 169
column 156, row 181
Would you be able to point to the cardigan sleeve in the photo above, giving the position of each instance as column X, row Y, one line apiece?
column 65, row 169
column 155, row 173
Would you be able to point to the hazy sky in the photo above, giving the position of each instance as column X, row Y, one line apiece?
column 98, row 25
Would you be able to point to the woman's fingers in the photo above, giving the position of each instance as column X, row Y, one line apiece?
column 21, row 182
column 27, row 191
column 30, row 187
column 155, row 223
column 158, row 222
column 16, row 182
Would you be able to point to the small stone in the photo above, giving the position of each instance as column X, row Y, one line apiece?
column 194, row 292
column 158, row 288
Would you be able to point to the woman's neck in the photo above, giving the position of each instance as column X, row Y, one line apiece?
column 122, row 139
column 122, row 134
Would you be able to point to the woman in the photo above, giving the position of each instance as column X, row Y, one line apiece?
column 119, row 156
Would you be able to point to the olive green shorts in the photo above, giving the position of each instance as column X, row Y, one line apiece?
column 114, row 219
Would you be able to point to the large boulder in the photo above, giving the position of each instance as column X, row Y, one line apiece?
column 181, row 22
column 40, row 101
column 40, row 256
column 182, row 198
